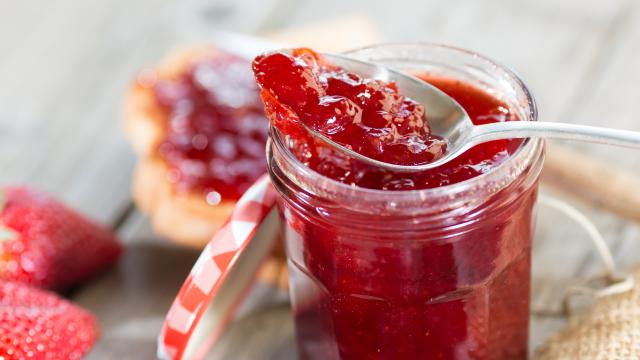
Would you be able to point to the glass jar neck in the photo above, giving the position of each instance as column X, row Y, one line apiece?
column 307, row 188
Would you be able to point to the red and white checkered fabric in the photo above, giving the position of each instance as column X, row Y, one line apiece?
column 212, row 267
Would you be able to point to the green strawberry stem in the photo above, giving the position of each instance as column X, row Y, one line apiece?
column 6, row 234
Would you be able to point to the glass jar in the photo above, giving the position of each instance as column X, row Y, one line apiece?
column 437, row 273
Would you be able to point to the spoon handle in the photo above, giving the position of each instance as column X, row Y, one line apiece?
column 525, row 129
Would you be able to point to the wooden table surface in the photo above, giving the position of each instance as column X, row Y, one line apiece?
column 65, row 64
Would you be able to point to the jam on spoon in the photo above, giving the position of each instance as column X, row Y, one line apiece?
column 372, row 118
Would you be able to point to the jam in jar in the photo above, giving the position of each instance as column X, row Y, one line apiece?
column 384, row 265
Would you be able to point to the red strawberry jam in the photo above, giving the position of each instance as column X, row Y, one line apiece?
column 216, row 130
column 387, row 284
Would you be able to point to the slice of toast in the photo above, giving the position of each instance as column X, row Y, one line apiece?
column 188, row 218
column 185, row 218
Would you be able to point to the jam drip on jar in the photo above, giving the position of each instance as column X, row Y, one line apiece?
column 372, row 118
column 216, row 129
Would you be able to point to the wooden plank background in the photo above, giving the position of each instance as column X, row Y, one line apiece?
column 65, row 64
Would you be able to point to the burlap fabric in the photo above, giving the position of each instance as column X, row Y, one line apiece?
column 610, row 329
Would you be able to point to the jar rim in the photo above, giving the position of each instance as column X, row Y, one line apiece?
column 497, row 178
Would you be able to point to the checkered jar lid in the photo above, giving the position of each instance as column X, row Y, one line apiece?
column 221, row 276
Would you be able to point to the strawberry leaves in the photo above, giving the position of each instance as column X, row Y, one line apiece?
column 6, row 234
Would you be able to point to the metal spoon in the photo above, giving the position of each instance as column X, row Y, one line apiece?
column 451, row 122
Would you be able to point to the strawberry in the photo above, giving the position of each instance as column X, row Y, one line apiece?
column 36, row 324
column 46, row 244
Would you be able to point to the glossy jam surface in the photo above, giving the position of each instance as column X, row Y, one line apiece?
column 388, row 285
column 372, row 118
column 368, row 116
column 216, row 129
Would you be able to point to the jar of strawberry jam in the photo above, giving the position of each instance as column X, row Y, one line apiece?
column 434, row 265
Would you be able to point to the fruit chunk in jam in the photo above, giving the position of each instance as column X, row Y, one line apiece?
column 372, row 118
column 216, row 129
